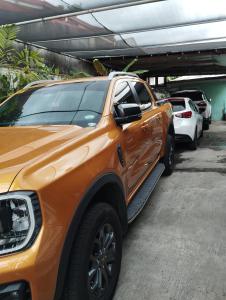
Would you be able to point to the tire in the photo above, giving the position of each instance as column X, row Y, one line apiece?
column 194, row 144
column 168, row 159
column 206, row 125
column 101, row 229
column 201, row 134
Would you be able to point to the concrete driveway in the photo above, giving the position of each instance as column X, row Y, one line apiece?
column 176, row 249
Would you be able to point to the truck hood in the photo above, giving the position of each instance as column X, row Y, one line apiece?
column 20, row 146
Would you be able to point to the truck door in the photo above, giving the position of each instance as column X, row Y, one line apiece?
column 152, row 123
column 133, row 138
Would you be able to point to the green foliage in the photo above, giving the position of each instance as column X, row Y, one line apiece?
column 29, row 59
column 104, row 71
column 23, row 66
column 126, row 69
column 7, row 37
column 132, row 63
column 100, row 68
column 24, row 78
column 78, row 74
column 4, row 87
column 140, row 72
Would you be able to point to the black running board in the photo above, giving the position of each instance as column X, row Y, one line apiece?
column 143, row 194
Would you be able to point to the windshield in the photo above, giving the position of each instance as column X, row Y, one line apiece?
column 64, row 104
column 194, row 96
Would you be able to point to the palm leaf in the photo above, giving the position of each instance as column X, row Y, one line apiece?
column 126, row 69
column 100, row 68
column 7, row 37
column 140, row 72
column 79, row 74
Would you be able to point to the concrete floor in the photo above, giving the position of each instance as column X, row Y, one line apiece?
column 176, row 248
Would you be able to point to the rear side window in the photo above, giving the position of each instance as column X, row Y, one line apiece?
column 123, row 94
column 142, row 93
column 178, row 105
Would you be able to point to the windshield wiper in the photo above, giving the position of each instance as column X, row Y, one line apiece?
column 58, row 111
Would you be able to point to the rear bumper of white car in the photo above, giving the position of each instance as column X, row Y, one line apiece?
column 182, row 138
column 184, row 130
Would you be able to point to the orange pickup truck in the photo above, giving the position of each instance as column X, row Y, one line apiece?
column 78, row 161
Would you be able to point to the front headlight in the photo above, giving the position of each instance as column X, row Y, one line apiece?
column 20, row 221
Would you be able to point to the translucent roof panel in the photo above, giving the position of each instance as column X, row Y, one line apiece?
column 178, row 36
column 14, row 11
column 86, row 44
column 61, row 28
column 162, row 14
column 88, row 4
column 186, row 47
column 119, row 27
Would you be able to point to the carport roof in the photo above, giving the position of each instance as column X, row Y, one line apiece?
column 121, row 28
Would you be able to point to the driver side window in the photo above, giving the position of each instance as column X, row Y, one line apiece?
column 123, row 94
column 142, row 94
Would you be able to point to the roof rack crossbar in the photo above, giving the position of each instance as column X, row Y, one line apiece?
column 115, row 74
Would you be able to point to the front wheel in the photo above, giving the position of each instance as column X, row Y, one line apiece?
column 96, row 256
column 168, row 159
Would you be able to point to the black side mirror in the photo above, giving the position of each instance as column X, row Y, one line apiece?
column 127, row 113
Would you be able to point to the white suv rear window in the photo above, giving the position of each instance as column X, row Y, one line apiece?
column 178, row 105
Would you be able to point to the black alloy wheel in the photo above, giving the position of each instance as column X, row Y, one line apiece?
column 102, row 260
column 95, row 260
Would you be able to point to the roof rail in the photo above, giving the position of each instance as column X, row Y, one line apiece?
column 37, row 82
column 115, row 74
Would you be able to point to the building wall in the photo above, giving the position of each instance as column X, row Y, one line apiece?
column 214, row 89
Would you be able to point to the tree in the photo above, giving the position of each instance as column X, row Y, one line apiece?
column 7, row 38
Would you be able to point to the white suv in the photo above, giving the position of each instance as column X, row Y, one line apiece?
column 200, row 99
column 188, row 122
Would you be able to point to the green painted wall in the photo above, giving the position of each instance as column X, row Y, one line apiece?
column 214, row 89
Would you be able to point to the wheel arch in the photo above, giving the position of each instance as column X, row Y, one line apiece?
column 98, row 192
column 169, row 130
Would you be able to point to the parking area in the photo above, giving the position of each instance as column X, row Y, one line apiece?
column 176, row 248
